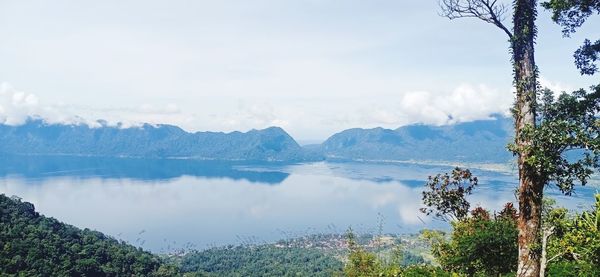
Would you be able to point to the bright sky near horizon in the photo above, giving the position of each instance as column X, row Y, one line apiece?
column 313, row 67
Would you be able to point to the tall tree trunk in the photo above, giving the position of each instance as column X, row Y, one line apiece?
column 530, row 186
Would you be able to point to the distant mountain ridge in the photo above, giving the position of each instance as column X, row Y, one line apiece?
column 476, row 141
column 36, row 137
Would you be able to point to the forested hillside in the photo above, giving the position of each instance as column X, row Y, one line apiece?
column 34, row 245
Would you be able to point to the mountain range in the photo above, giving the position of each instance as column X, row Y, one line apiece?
column 476, row 141
column 36, row 137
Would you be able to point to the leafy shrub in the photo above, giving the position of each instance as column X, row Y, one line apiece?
column 480, row 245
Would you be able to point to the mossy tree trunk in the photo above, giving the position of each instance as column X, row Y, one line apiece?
column 531, row 186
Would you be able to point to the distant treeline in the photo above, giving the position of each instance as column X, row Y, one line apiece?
column 263, row 260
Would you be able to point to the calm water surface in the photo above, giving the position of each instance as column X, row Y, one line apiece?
column 162, row 205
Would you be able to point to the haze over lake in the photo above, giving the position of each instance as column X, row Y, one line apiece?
column 162, row 205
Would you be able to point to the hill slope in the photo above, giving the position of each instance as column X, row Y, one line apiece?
column 34, row 245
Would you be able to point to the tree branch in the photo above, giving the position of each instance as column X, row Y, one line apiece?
column 489, row 11
column 555, row 257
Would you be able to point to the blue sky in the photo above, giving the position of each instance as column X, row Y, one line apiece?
column 313, row 67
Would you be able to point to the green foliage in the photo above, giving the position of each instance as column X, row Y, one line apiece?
column 571, row 14
column 261, row 260
column 586, row 56
column 34, row 245
column 425, row 270
column 570, row 269
column 567, row 124
column 479, row 244
column 445, row 194
column 577, row 238
column 166, row 270
column 486, row 245
column 362, row 263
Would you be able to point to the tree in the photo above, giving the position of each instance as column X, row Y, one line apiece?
column 361, row 263
column 445, row 194
column 550, row 218
column 572, row 14
column 521, row 40
column 482, row 244
column 566, row 124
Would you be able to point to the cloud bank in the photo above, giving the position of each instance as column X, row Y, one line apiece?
column 305, row 116
column 17, row 106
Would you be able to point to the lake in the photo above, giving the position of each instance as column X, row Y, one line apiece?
column 163, row 205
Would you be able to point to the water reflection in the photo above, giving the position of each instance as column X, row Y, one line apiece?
column 41, row 167
column 202, row 203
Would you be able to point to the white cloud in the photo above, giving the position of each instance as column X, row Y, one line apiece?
column 464, row 103
column 17, row 106
column 131, row 117
column 152, row 109
column 556, row 87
